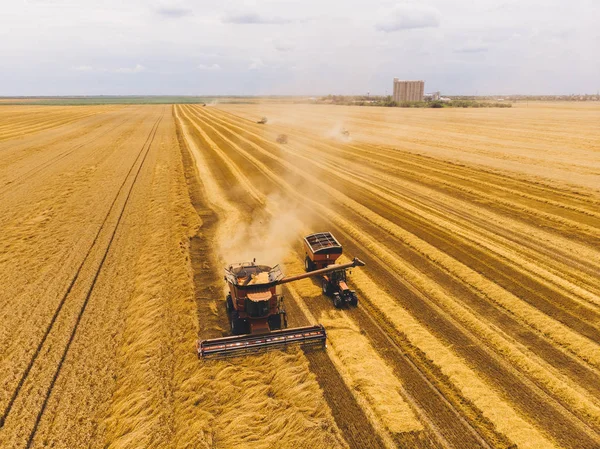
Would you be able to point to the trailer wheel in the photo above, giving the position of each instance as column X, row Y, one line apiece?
column 309, row 265
column 337, row 301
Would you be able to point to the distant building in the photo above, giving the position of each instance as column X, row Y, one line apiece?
column 408, row 90
column 433, row 96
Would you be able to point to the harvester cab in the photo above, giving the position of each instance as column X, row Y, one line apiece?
column 322, row 250
column 254, row 302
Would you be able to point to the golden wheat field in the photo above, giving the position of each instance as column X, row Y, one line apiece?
column 478, row 324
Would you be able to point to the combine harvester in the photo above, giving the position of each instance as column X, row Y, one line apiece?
column 256, row 312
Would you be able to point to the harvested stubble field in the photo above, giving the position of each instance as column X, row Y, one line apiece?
column 478, row 317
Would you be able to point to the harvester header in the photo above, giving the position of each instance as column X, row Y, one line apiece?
column 250, row 343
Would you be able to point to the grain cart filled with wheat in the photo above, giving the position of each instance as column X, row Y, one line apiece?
column 257, row 315
column 322, row 250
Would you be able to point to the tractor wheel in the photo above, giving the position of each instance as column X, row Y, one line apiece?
column 326, row 287
column 337, row 301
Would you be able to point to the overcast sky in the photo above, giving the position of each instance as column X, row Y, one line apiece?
column 184, row 47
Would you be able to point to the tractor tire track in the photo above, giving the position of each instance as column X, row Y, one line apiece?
column 350, row 153
column 124, row 195
column 523, row 290
column 348, row 415
column 545, row 304
column 31, row 126
column 441, row 414
column 485, row 178
column 446, row 425
column 551, row 302
column 380, row 184
column 564, row 432
column 434, row 174
column 21, row 178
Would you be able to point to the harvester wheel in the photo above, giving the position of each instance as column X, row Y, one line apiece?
column 353, row 299
column 337, row 301
column 238, row 327
column 275, row 322
column 229, row 304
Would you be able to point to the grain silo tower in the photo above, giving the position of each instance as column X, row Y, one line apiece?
column 408, row 90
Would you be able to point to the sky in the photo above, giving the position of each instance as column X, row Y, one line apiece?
column 309, row 47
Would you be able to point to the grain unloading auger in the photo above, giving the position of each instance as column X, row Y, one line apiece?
column 256, row 312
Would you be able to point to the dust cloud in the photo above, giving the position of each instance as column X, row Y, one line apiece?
column 268, row 236
column 339, row 132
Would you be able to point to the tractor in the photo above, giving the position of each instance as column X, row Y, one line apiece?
column 334, row 285
column 322, row 250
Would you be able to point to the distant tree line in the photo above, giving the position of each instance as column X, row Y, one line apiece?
column 517, row 98
column 387, row 101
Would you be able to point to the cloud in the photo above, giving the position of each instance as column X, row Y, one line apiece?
column 256, row 64
column 253, row 18
column 471, row 49
column 174, row 13
column 209, row 67
column 283, row 46
column 137, row 69
column 521, row 37
column 405, row 16
column 88, row 68
column 83, row 68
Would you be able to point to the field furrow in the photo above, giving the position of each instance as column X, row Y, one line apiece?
column 547, row 378
column 300, row 406
column 478, row 317
column 32, row 391
column 25, row 122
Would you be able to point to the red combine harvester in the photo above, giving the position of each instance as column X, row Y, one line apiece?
column 322, row 250
column 256, row 312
